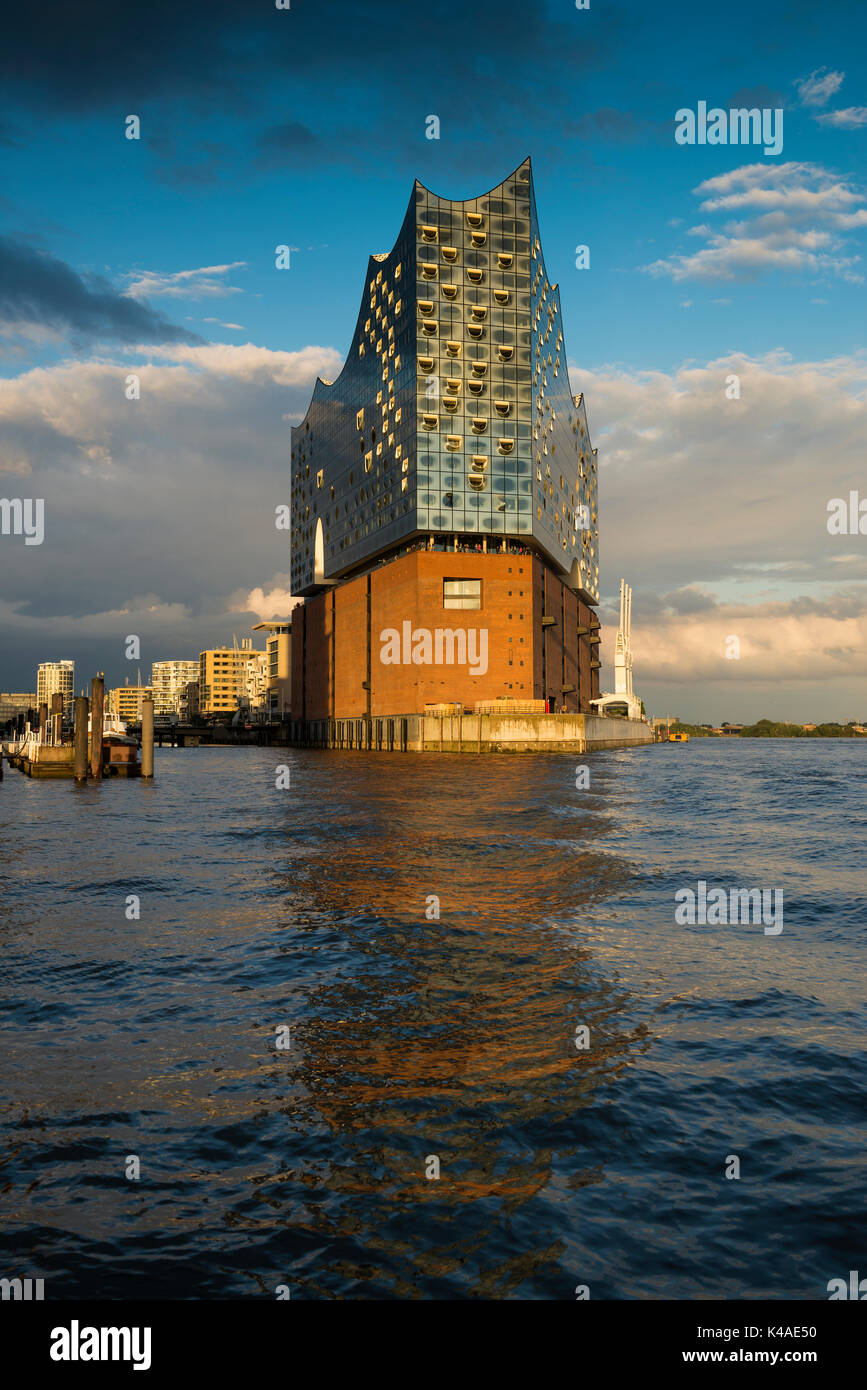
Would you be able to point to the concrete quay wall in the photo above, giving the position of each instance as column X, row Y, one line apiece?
column 472, row 733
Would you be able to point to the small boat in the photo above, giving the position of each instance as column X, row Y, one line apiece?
column 678, row 738
column 119, row 749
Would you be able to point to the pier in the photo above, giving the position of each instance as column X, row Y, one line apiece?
column 472, row 733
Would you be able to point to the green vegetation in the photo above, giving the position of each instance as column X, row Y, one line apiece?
column 767, row 728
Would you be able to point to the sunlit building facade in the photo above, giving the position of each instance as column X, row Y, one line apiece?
column 452, row 428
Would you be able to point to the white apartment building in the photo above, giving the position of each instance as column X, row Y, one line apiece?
column 169, row 680
column 53, row 677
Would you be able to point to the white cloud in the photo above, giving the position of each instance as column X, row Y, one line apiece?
column 277, row 602
column 205, row 282
column 715, row 509
column 849, row 117
column 777, row 642
column 819, row 87
column 802, row 214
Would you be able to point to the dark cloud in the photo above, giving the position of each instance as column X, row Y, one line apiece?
column 608, row 123
column 36, row 288
column 689, row 600
column 762, row 96
column 289, row 145
column 99, row 54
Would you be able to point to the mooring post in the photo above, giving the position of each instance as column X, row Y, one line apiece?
column 43, row 721
column 57, row 718
column 96, row 726
column 147, row 738
column 79, row 757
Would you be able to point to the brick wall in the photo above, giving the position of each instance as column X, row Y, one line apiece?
column 328, row 675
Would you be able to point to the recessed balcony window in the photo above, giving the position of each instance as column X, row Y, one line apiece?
column 505, row 352
column 450, row 253
column 450, row 291
column 501, row 296
column 461, row 593
column 429, row 328
column 479, row 463
column 505, row 446
column 479, row 312
column 502, row 408
column 474, row 219
column 475, row 276
column 504, row 259
column 475, row 330
column 425, row 364
column 428, row 271
column 425, row 307
column 477, row 481
column 475, row 387
column 454, row 384
column 453, row 349
column 453, row 442
column 450, row 403
column 479, row 425
column 429, row 234
column 430, row 422
column 479, row 239
column 479, row 368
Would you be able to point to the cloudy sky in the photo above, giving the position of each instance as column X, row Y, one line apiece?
column 305, row 127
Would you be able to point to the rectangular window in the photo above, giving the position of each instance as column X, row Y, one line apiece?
column 462, row 593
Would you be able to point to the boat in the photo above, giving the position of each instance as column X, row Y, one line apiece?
column 39, row 756
column 678, row 738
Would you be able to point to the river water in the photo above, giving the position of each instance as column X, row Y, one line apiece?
column 418, row 1041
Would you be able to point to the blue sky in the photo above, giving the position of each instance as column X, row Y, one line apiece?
column 306, row 127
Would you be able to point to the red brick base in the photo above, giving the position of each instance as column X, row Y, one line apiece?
column 339, row 638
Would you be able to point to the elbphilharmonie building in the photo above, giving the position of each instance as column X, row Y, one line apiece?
column 452, row 431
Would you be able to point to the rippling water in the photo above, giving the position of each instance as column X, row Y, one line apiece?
column 453, row 1037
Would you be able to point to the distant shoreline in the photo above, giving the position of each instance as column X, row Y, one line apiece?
column 766, row 728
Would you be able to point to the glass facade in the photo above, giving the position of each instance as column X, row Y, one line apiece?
column 453, row 414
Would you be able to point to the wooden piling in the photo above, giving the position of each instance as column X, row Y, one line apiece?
column 97, row 697
column 147, row 738
column 56, row 719
column 79, row 764
column 43, row 720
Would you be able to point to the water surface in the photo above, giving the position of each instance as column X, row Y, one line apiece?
column 415, row 1037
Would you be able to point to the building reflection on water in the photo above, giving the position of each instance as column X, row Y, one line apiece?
column 455, row 1037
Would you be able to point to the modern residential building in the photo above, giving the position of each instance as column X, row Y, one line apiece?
column 53, row 677
column 278, row 645
column 224, row 677
column 169, row 680
column 11, row 704
column 256, row 684
column 125, row 701
column 446, row 482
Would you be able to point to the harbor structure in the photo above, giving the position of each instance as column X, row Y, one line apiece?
column 444, row 488
column 56, row 677
column 622, row 702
